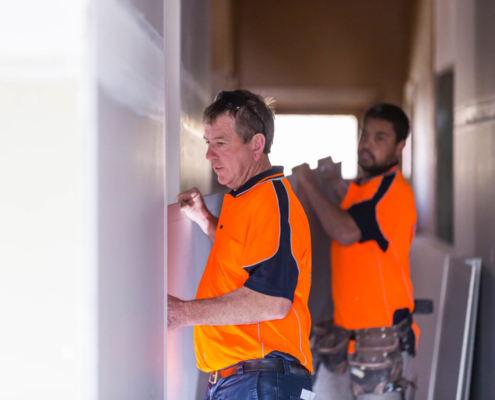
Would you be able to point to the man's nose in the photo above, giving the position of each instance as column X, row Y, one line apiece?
column 364, row 143
column 210, row 154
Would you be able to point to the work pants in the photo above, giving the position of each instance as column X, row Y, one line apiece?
column 259, row 385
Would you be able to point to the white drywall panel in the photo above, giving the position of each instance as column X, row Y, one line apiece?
column 187, row 63
column 131, row 255
column 130, row 201
column 455, row 350
column 188, row 250
column 172, row 96
column 195, row 96
column 41, row 216
column 429, row 268
column 82, row 210
column 442, row 367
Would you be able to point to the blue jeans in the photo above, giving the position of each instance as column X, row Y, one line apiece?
column 259, row 385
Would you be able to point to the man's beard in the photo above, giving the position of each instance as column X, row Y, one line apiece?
column 376, row 169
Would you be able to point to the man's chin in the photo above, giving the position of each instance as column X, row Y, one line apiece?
column 222, row 180
column 367, row 166
column 374, row 169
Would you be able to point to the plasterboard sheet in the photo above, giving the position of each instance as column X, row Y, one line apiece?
column 320, row 301
column 429, row 264
column 442, row 367
column 320, row 298
column 188, row 251
column 458, row 327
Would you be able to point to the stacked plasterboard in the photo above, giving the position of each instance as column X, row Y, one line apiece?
column 443, row 363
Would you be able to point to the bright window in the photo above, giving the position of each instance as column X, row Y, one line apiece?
column 308, row 138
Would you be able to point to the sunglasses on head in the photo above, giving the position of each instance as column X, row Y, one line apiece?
column 234, row 101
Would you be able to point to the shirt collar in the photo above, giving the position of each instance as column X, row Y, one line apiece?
column 392, row 169
column 275, row 173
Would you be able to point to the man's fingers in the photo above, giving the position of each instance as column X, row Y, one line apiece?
column 184, row 196
column 188, row 195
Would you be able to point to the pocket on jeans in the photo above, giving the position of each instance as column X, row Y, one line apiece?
column 292, row 397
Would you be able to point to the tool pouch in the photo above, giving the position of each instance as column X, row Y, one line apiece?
column 332, row 346
column 376, row 365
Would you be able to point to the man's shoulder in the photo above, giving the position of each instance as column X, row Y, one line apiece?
column 261, row 200
column 398, row 198
column 401, row 188
column 266, row 192
column 271, row 197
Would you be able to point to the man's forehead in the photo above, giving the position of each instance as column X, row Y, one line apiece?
column 221, row 128
column 372, row 125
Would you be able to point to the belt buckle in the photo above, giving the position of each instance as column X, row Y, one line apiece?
column 213, row 377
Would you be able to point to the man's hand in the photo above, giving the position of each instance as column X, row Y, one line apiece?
column 192, row 203
column 332, row 173
column 303, row 174
column 330, row 170
column 176, row 313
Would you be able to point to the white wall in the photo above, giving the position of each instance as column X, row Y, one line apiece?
column 474, row 168
column 188, row 253
column 173, row 96
column 188, row 94
column 82, row 265
column 130, row 158
column 443, row 34
column 419, row 102
column 41, row 157
column 195, row 94
column 463, row 34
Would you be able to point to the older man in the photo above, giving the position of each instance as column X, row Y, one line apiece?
column 250, row 314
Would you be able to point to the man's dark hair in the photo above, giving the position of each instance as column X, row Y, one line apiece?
column 393, row 114
column 247, row 124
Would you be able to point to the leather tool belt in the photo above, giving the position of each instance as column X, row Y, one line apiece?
column 376, row 364
column 262, row 364
column 332, row 344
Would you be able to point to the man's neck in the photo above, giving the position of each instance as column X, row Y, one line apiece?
column 261, row 166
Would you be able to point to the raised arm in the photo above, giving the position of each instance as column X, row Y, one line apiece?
column 338, row 223
column 192, row 203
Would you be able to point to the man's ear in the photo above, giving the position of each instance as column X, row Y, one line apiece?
column 258, row 145
column 399, row 147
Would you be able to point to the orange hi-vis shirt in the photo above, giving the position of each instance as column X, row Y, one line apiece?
column 262, row 242
column 370, row 279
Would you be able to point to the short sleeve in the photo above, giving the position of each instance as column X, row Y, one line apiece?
column 364, row 215
column 268, row 256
